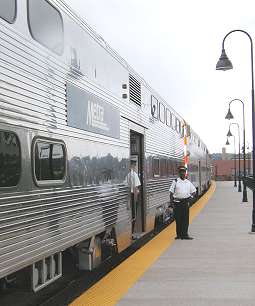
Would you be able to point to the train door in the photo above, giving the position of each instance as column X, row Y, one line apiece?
column 137, row 154
column 199, row 178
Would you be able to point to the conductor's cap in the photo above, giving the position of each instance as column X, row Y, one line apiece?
column 182, row 168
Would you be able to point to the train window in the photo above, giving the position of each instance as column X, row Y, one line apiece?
column 46, row 25
column 162, row 112
column 10, row 157
column 163, row 167
column 49, row 161
column 182, row 131
column 173, row 121
column 168, row 117
column 154, row 107
column 170, row 167
column 188, row 132
column 177, row 125
column 155, row 166
column 8, row 10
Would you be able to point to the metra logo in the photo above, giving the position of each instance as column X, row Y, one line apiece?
column 95, row 116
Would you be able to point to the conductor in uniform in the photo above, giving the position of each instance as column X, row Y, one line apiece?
column 134, row 183
column 181, row 192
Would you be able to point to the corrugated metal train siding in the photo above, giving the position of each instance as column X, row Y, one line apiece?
column 33, row 89
column 158, row 191
column 34, row 225
column 31, row 225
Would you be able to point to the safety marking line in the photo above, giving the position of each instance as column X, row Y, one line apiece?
column 110, row 289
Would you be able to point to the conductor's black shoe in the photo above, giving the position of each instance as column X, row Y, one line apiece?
column 177, row 237
column 187, row 238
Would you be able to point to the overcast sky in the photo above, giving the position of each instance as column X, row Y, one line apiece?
column 175, row 45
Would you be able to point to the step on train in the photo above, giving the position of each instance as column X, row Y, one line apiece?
column 73, row 114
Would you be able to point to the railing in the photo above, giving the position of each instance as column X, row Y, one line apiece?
column 250, row 183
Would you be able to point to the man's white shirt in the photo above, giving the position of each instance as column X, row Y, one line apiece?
column 182, row 189
column 133, row 180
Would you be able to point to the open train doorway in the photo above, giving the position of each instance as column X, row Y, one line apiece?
column 137, row 201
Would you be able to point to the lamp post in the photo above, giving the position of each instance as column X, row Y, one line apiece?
column 227, row 143
column 229, row 134
column 249, row 159
column 225, row 64
column 230, row 116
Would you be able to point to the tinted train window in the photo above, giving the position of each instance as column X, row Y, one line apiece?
column 173, row 121
column 45, row 24
column 162, row 112
column 49, row 161
column 155, row 166
column 168, row 117
column 163, row 167
column 170, row 167
column 178, row 125
column 154, row 107
column 10, row 159
column 8, row 10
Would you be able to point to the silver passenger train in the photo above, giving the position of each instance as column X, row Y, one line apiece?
column 72, row 115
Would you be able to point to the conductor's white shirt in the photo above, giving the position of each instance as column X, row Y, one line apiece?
column 133, row 180
column 182, row 189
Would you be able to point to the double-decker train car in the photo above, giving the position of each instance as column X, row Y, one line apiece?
column 72, row 115
column 198, row 162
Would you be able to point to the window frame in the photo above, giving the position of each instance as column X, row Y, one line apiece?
column 20, row 151
column 156, row 113
column 40, row 42
column 168, row 117
column 153, row 168
column 15, row 15
column 173, row 121
column 162, row 108
column 163, row 164
column 178, row 125
column 48, row 183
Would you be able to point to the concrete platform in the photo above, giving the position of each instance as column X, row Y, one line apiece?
column 216, row 268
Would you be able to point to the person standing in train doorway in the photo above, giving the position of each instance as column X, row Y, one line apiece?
column 133, row 183
column 181, row 191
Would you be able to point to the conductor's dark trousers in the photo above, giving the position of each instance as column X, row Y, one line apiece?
column 181, row 214
column 134, row 211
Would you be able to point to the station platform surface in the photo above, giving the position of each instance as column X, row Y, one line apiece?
column 216, row 268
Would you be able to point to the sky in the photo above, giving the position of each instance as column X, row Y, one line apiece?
column 174, row 46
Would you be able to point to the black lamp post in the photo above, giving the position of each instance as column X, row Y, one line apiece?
column 225, row 64
column 249, row 159
column 227, row 143
column 230, row 116
column 229, row 134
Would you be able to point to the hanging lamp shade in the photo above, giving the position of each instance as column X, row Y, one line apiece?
column 229, row 115
column 224, row 63
column 229, row 134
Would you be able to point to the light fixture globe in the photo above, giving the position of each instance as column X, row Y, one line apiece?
column 229, row 115
column 229, row 134
column 224, row 63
